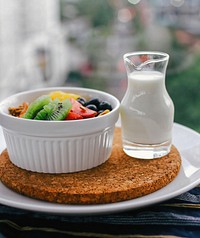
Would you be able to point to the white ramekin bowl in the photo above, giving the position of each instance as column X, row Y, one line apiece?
column 58, row 146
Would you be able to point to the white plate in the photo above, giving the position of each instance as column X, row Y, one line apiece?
column 186, row 140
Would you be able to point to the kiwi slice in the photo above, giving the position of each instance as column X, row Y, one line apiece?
column 60, row 111
column 36, row 106
column 47, row 110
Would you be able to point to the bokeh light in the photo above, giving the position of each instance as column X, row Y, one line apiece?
column 134, row 1
column 124, row 15
column 177, row 3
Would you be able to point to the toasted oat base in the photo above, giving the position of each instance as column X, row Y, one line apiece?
column 118, row 179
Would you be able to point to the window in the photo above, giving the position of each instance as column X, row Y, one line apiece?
column 82, row 42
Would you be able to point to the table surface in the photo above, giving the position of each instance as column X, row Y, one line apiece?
column 177, row 217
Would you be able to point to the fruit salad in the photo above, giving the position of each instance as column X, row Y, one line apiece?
column 59, row 105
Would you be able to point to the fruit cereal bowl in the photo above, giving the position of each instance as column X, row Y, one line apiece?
column 58, row 146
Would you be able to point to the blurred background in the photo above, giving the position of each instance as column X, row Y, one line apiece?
column 82, row 42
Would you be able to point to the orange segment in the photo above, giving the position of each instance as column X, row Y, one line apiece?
column 62, row 95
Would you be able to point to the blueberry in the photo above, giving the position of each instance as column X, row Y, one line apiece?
column 81, row 101
column 105, row 105
column 92, row 107
column 93, row 101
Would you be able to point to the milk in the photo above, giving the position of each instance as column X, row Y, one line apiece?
column 147, row 111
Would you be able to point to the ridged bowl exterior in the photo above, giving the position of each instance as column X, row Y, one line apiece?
column 59, row 155
column 58, row 147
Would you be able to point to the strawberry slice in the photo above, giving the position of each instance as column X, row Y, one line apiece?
column 73, row 116
column 79, row 109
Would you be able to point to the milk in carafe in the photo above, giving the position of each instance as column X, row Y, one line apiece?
column 147, row 114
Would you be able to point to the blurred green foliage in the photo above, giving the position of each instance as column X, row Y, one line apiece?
column 99, row 13
column 184, row 89
column 183, row 78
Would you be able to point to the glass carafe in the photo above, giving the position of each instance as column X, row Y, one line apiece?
column 147, row 111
